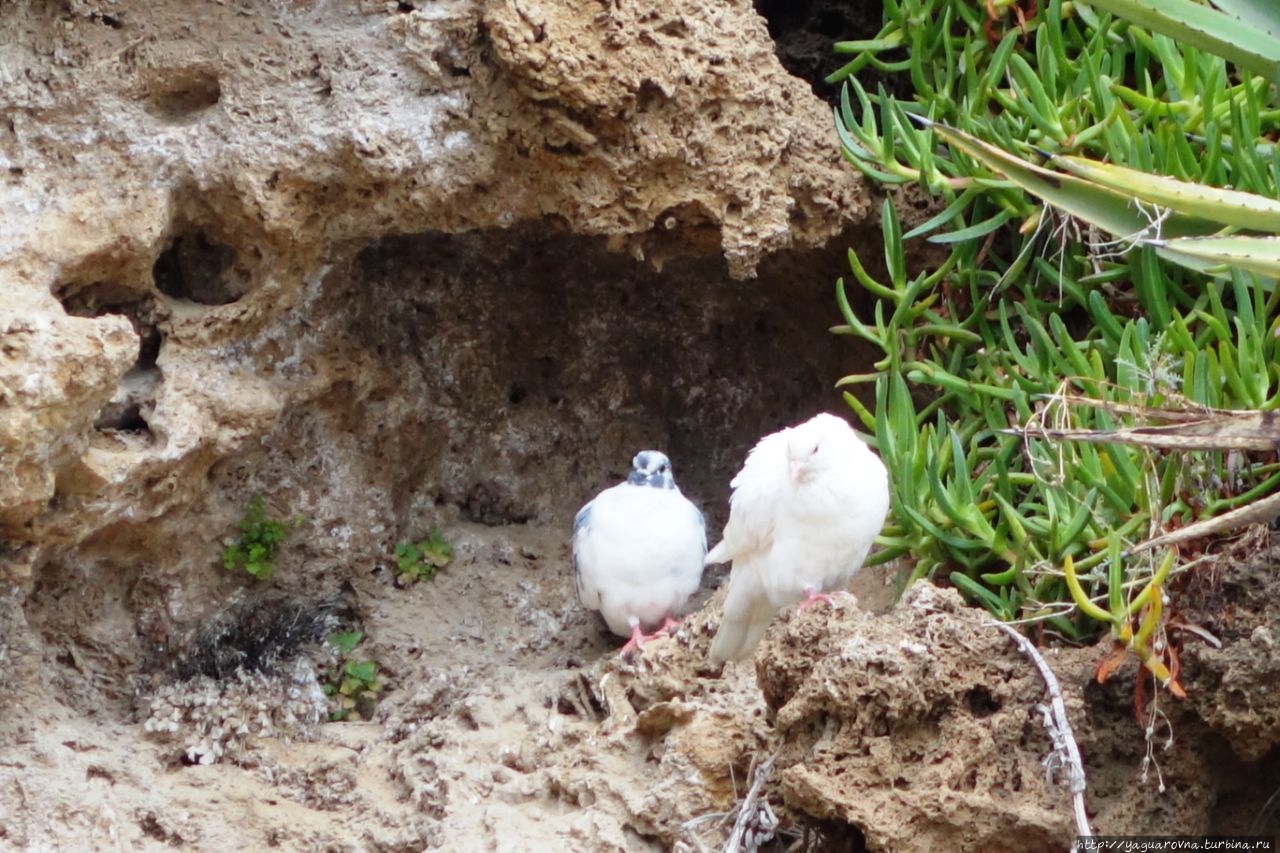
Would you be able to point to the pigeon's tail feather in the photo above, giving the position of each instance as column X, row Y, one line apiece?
column 739, row 635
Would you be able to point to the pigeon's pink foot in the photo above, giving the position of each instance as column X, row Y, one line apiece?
column 637, row 641
column 668, row 626
column 812, row 597
column 639, row 638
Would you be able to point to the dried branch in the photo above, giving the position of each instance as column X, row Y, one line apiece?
column 756, row 822
column 1241, row 430
column 1187, row 413
column 1066, row 752
column 1260, row 511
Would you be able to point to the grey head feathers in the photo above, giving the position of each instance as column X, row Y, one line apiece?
column 651, row 468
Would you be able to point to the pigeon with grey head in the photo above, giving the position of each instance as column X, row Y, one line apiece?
column 638, row 551
column 805, row 509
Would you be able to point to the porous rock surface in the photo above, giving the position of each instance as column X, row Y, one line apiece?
column 1234, row 693
column 922, row 729
column 919, row 728
column 388, row 265
column 394, row 265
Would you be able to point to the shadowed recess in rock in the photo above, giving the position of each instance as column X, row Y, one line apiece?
column 181, row 95
column 198, row 270
column 135, row 396
column 804, row 32
column 539, row 362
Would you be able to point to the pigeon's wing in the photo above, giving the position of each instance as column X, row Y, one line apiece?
column 753, row 505
column 748, row 539
column 588, row 594
column 701, row 521
column 747, row 613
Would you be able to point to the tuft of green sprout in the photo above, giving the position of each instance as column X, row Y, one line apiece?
column 357, row 686
column 260, row 538
column 419, row 561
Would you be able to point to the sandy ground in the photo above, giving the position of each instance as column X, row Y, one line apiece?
column 508, row 722
column 488, row 736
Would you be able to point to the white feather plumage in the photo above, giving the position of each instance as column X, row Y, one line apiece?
column 638, row 550
column 805, row 509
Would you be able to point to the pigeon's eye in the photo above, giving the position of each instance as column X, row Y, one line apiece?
column 814, row 452
column 664, row 468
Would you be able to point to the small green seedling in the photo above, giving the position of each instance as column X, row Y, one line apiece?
column 356, row 692
column 419, row 561
column 260, row 539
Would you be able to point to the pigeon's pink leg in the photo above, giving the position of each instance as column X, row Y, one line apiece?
column 668, row 625
column 636, row 642
column 812, row 597
column 639, row 638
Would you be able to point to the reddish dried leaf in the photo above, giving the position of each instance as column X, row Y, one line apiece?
column 1110, row 663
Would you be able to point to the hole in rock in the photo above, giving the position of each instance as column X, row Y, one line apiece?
column 98, row 298
column 181, row 95
column 135, row 397
column 198, row 270
column 148, row 348
column 805, row 31
column 981, row 703
column 1246, row 802
column 124, row 417
column 832, row 836
column 136, row 394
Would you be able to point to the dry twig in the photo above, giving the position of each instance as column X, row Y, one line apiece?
column 1066, row 752
column 756, row 822
column 1261, row 511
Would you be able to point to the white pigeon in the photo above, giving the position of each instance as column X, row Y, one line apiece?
column 804, row 511
column 638, row 551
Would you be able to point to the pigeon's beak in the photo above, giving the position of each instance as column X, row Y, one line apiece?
column 645, row 478
column 795, row 467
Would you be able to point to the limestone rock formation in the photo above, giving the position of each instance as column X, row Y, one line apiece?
column 391, row 265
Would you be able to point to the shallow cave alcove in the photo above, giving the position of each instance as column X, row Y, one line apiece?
column 540, row 363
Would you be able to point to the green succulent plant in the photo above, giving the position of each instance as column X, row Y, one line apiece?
column 357, row 686
column 1105, row 183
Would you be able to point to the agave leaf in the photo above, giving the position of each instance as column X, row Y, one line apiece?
column 1229, row 207
column 1261, row 14
column 1109, row 209
column 1187, row 22
column 1260, row 255
column 1237, row 430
